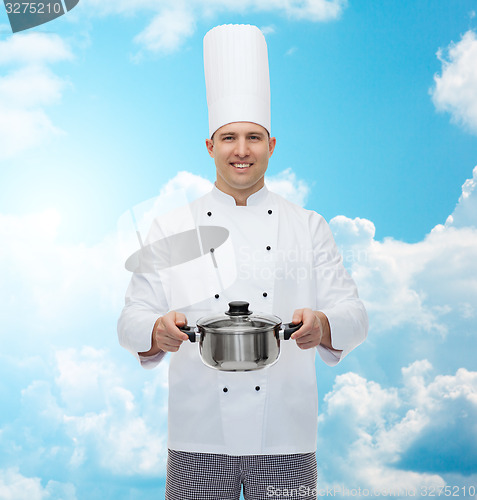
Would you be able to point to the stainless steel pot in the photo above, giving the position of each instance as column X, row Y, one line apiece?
column 239, row 340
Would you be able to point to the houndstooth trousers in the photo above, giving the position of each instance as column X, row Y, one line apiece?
column 205, row 476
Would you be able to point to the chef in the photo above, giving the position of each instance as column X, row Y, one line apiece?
column 253, row 430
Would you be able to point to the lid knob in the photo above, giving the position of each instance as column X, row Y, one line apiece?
column 238, row 308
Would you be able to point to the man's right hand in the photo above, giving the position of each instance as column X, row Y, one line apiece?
column 166, row 337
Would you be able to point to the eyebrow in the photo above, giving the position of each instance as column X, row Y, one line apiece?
column 225, row 134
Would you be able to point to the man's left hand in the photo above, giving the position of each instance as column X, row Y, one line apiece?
column 315, row 329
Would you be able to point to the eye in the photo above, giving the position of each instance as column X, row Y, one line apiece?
column 228, row 138
column 254, row 138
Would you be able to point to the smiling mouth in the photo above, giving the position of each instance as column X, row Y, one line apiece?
column 241, row 165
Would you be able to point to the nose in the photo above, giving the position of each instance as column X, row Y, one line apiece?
column 241, row 147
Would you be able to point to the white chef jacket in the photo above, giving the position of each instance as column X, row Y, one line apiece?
column 285, row 258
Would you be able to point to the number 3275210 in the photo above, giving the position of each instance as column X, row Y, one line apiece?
column 33, row 8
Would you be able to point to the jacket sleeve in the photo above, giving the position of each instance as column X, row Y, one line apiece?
column 140, row 312
column 337, row 295
column 145, row 302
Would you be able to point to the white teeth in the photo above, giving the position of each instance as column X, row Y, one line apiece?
column 241, row 165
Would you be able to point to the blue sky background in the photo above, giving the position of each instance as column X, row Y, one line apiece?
column 374, row 106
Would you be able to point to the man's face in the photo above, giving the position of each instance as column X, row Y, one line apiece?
column 241, row 151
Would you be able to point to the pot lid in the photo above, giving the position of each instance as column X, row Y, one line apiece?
column 239, row 319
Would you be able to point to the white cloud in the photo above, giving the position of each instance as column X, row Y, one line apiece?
column 174, row 22
column 96, row 415
column 268, row 30
column 287, row 185
column 127, row 7
column 167, row 31
column 192, row 185
column 465, row 213
column 454, row 89
column 84, row 378
column 384, row 432
column 27, row 87
column 34, row 48
column 353, row 231
column 31, row 86
column 15, row 486
column 22, row 129
column 105, row 421
column 429, row 285
column 312, row 10
column 315, row 10
column 55, row 282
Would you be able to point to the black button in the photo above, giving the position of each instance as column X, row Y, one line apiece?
column 225, row 389
column 269, row 247
column 209, row 213
column 212, row 250
column 265, row 294
column 257, row 388
column 270, row 212
column 216, row 295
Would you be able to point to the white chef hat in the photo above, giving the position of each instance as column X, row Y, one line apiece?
column 236, row 76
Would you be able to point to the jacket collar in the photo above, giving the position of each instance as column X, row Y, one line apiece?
column 253, row 200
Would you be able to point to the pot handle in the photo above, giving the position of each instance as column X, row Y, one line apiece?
column 288, row 329
column 190, row 332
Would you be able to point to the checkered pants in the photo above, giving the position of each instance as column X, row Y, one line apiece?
column 205, row 476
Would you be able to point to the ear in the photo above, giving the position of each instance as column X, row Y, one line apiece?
column 272, row 142
column 209, row 143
